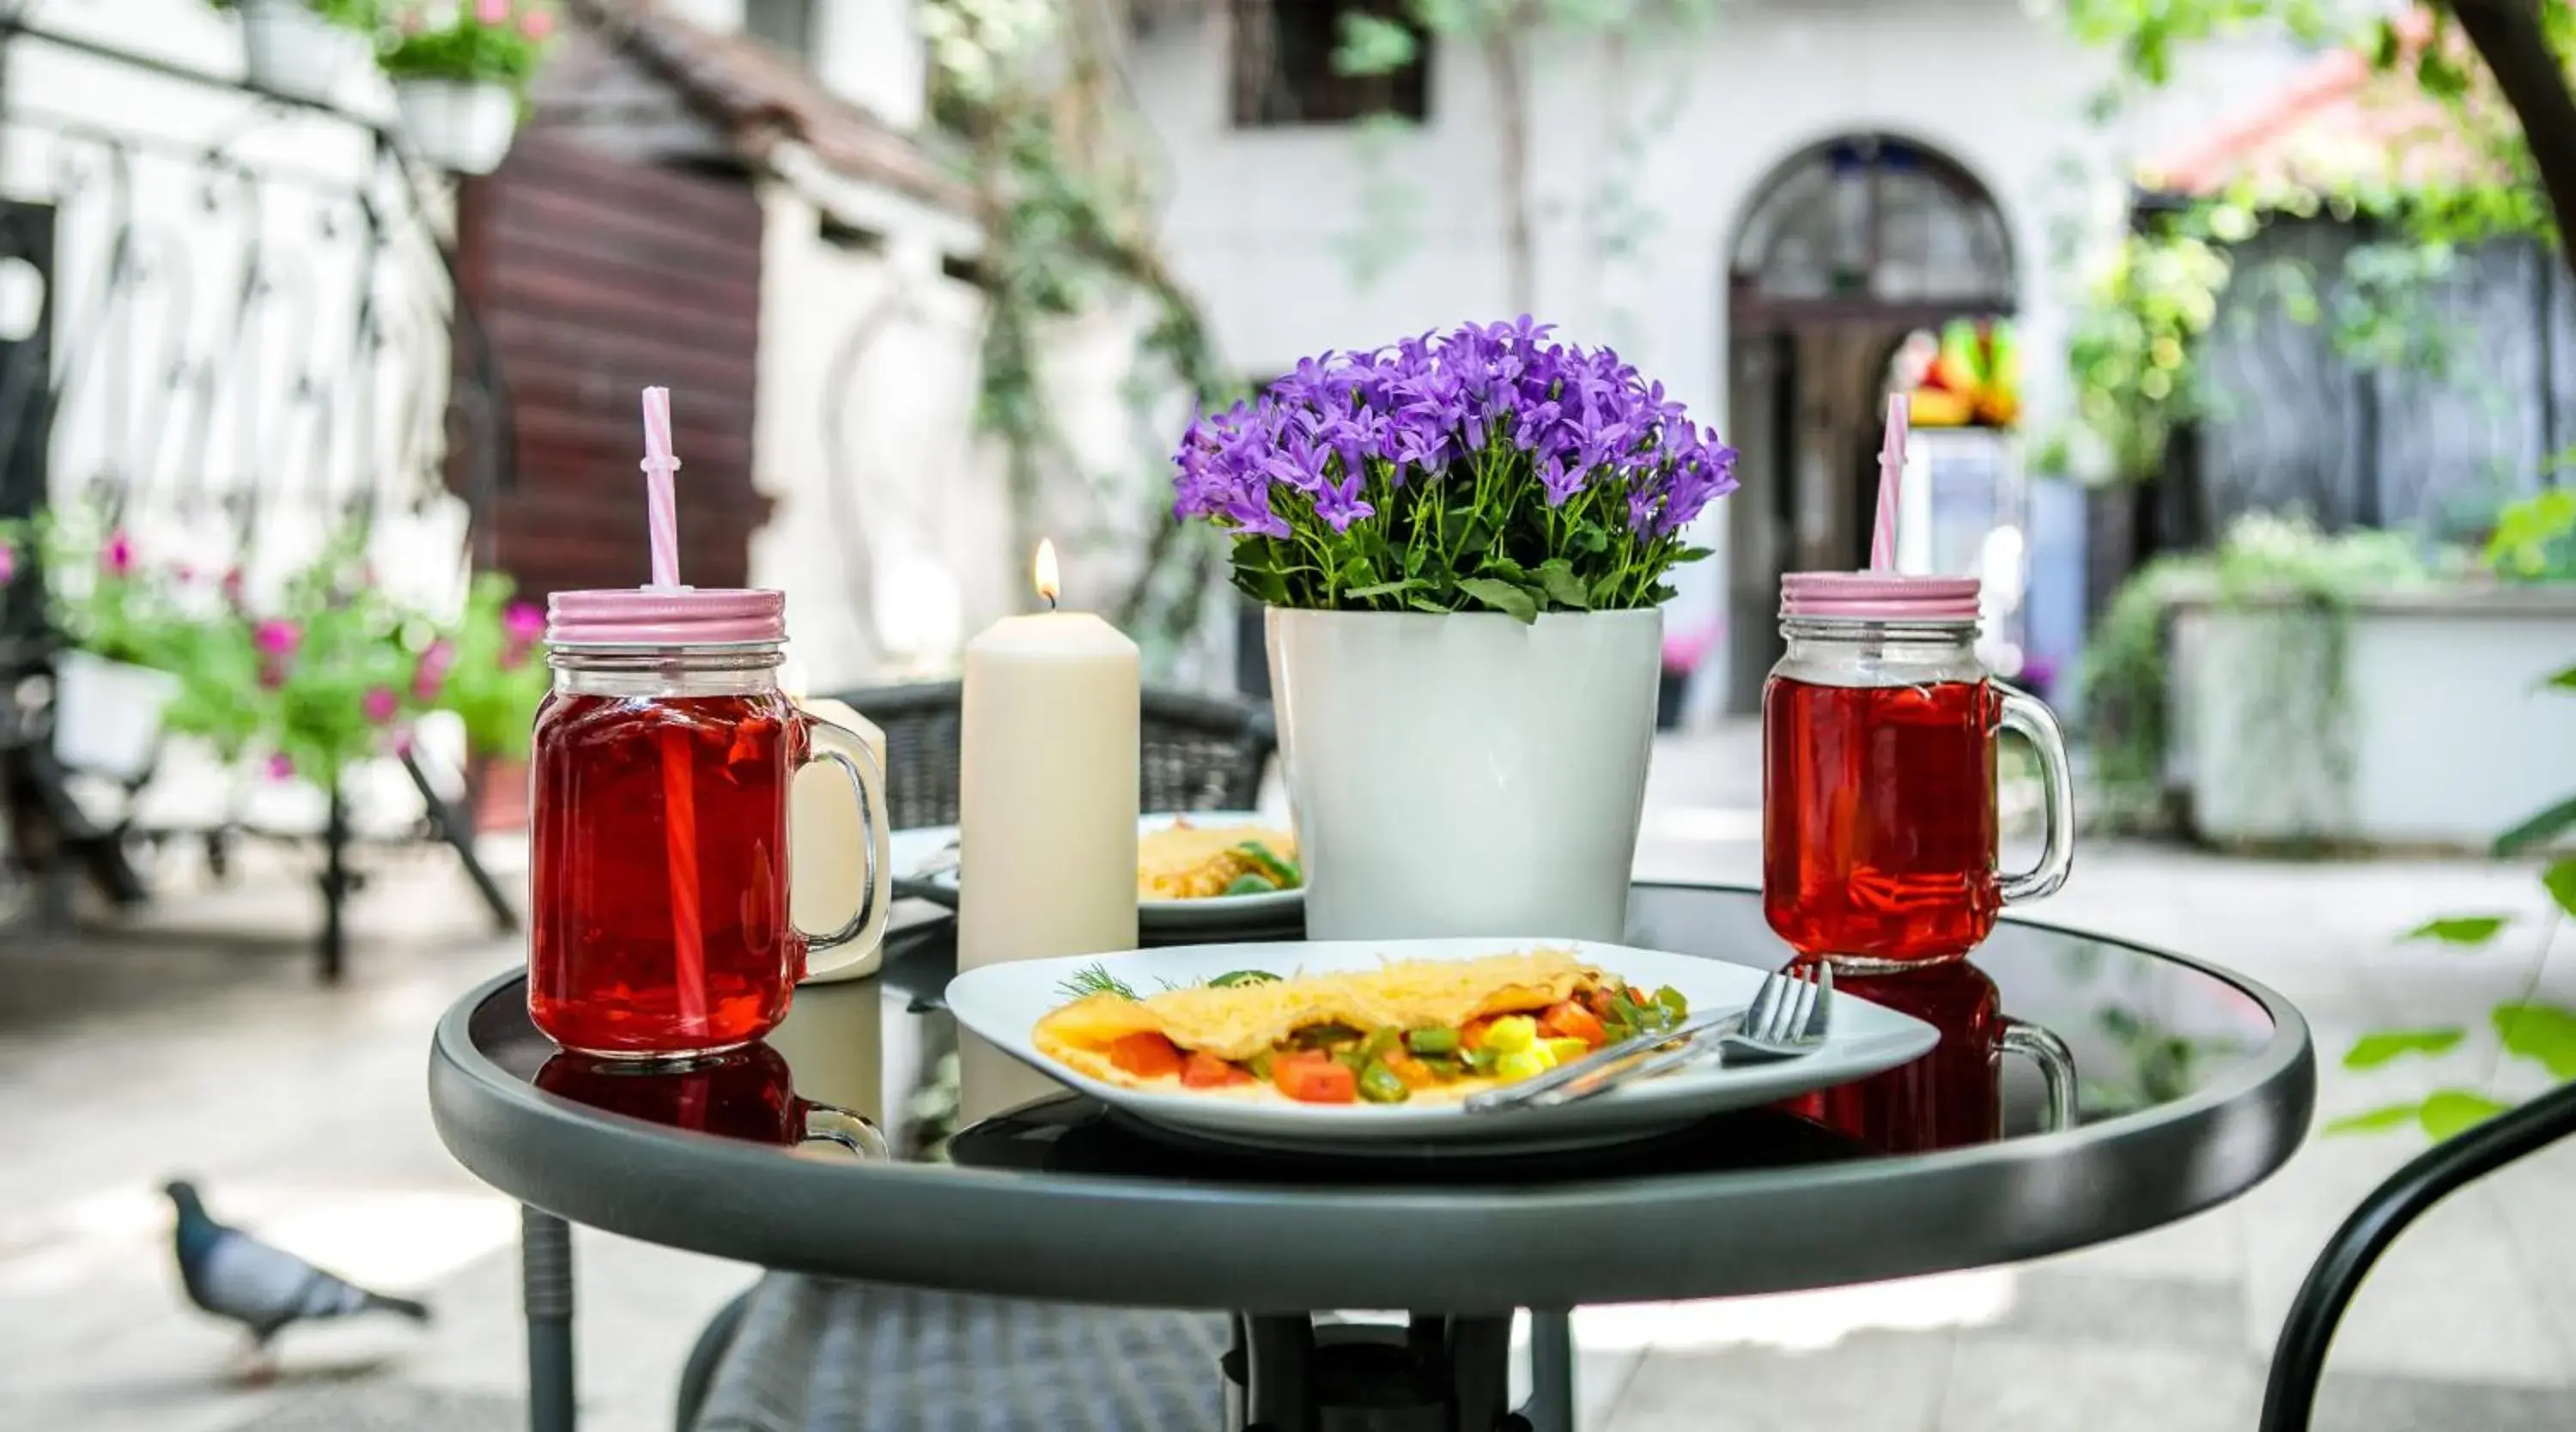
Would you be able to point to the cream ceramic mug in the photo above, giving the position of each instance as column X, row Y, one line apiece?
column 825, row 867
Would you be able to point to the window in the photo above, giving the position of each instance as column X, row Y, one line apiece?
column 788, row 24
column 1284, row 71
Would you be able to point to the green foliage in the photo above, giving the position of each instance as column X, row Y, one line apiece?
column 2265, row 560
column 2130, row 349
column 331, row 672
column 1068, row 228
column 464, row 47
column 2543, row 1034
column 489, row 669
column 97, row 594
column 2535, row 538
column 2138, row 327
column 2461, row 929
column 348, row 14
column 2147, row 32
column 2373, row 1050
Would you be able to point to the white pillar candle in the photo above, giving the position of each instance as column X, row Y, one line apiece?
column 1046, row 856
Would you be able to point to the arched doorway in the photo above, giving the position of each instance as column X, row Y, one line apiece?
column 1846, row 249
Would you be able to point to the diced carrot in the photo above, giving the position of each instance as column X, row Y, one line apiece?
column 1317, row 1080
column 1206, row 1071
column 1414, row 1073
column 1572, row 1021
column 1145, row 1054
column 1472, row 1033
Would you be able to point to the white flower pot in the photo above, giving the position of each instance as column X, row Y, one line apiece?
column 292, row 51
column 463, row 126
column 1466, row 774
column 107, row 714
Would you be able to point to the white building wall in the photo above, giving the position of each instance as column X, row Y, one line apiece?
column 1261, row 222
column 236, row 421
column 870, row 54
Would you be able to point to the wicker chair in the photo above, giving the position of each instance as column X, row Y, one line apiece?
column 1200, row 752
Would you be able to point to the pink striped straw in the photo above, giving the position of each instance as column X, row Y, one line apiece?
column 1891, row 479
column 679, row 803
column 661, row 505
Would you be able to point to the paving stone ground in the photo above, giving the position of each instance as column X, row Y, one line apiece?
column 193, row 1039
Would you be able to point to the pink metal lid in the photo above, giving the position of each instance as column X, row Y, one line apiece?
column 1878, row 596
column 667, row 616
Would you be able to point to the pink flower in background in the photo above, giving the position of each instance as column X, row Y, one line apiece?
column 118, row 555
column 537, row 25
column 277, row 637
column 491, row 12
column 431, row 674
column 8, row 563
column 232, row 585
column 380, row 705
column 1684, row 651
column 524, row 622
column 184, row 572
column 281, row 766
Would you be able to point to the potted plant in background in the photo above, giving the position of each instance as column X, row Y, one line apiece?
column 490, row 670
column 304, row 48
column 461, row 74
column 114, row 680
column 1462, row 542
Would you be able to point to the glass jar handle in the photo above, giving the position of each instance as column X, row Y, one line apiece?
column 842, row 747
column 2032, row 718
column 829, row 1123
column 2056, row 1067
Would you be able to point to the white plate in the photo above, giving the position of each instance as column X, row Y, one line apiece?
column 1003, row 1003
column 914, row 849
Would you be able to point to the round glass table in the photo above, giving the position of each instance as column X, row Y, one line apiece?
column 862, row 1142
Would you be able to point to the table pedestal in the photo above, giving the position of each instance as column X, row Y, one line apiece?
column 1435, row 1374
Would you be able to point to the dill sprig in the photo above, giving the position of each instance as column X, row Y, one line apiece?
column 1094, row 979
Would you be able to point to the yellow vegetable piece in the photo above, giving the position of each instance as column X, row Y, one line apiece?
column 1561, row 1050
column 1521, row 1064
column 1511, row 1034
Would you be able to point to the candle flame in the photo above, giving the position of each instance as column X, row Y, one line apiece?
column 1050, row 583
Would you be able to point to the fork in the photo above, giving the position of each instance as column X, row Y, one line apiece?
column 1789, row 1017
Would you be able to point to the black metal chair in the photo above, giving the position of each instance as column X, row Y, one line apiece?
column 2299, row 1359
column 1200, row 752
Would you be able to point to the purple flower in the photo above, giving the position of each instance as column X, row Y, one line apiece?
column 277, row 637
column 1547, row 442
column 380, row 705
column 118, row 555
column 281, row 766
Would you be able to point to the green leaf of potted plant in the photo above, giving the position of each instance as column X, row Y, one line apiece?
column 126, row 638
column 1462, row 541
column 490, row 670
column 461, row 73
column 304, row 48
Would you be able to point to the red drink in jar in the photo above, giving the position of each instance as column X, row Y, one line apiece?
column 747, row 1094
column 659, row 781
column 1878, row 793
column 1952, row 1096
column 606, row 962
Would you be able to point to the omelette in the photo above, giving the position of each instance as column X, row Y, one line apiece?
column 1407, row 1031
column 1183, row 861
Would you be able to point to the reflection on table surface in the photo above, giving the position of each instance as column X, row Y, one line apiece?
column 2143, row 1030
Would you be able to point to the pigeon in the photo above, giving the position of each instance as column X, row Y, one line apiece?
column 233, row 1275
